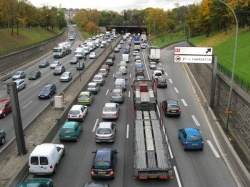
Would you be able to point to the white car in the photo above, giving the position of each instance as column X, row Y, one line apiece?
column 110, row 111
column 20, row 84
column 71, row 38
column 99, row 79
column 136, row 53
column 152, row 65
column 77, row 113
column 93, row 87
column 54, row 64
column 103, row 72
column 156, row 74
column 66, row 76
column 123, row 69
column 92, row 55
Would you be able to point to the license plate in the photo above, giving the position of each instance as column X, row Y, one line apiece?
column 173, row 111
column 194, row 144
column 67, row 136
column 103, row 137
column 74, row 116
column 102, row 173
column 152, row 177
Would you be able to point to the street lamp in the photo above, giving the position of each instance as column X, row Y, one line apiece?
column 154, row 22
column 188, row 30
column 233, row 67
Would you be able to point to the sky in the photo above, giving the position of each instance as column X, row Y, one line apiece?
column 115, row 5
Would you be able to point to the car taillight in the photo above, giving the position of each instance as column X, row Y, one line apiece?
column 163, row 177
column 103, row 114
column 179, row 110
column 116, row 114
column 96, row 136
column 167, row 110
column 112, row 94
column 120, row 94
column 68, row 116
column 186, row 143
column 111, row 171
column 111, row 136
column 143, row 177
column 51, row 167
column 92, row 172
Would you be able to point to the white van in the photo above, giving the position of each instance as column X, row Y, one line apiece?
column 121, row 83
column 44, row 158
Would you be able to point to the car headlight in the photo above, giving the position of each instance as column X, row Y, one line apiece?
column 1, row 112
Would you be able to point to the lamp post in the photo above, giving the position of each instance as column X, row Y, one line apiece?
column 233, row 67
column 154, row 22
column 188, row 30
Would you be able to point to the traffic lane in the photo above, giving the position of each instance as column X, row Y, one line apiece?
column 81, row 173
column 192, row 116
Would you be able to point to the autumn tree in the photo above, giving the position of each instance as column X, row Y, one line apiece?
column 91, row 28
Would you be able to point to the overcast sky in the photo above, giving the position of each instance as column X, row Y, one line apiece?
column 115, row 5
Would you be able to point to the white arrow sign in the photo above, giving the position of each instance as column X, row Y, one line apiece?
column 192, row 59
column 207, row 51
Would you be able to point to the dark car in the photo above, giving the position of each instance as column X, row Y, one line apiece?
column 47, row 91
column 59, row 70
column 104, row 66
column 34, row 75
column 37, row 182
column 2, row 137
column 109, row 62
column 171, row 107
column 43, row 64
column 93, row 184
column 74, row 60
column 103, row 165
column 18, row 75
column 117, row 95
column 139, row 67
column 5, row 107
column 112, row 56
column 80, row 66
column 161, row 82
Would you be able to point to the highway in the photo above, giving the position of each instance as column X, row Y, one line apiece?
column 191, row 168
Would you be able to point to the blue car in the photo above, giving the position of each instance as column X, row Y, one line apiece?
column 191, row 138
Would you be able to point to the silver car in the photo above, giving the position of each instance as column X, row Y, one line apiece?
column 99, row 79
column 117, row 95
column 18, row 75
column 105, row 132
column 20, row 84
column 123, row 69
column 66, row 76
column 93, row 87
column 110, row 111
column 54, row 64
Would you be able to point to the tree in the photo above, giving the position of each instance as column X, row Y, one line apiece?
column 91, row 28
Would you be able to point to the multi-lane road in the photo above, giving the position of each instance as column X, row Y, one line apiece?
column 191, row 168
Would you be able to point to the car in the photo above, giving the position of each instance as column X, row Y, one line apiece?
column 171, row 107
column 34, row 75
column 93, row 184
column 121, row 83
column 122, row 63
column 156, row 74
column 109, row 62
column 20, row 84
column 119, row 46
column 123, row 69
column 74, row 60
column 54, row 64
column 160, row 68
column 139, row 67
column 93, row 87
column 140, row 77
column 5, row 107
column 2, row 137
column 100, row 79
column 161, row 82
column 121, row 42
column 103, row 165
column 71, row 37
column 59, row 70
column 118, row 75
column 77, row 113
column 117, row 96
column 47, row 91
column 70, row 130
column 18, row 75
column 103, row 72
column 135, row 53
column 85, row 98
column 104, row 66
column 93, row 38
column 109, row 40
column 105, row 132
column 92, row 55
column 80, row 66
column 152, row 65
column 137, row 57
column 116, row 50
column 112, row 56
column 36, row 182
column 43, row 64
column 66, row 77
column 110, row 111
column 191, row 139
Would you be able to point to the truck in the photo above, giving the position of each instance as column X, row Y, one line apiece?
column 62, row 49
column 154, row 53
column 125, row 57
column 151, row 154
column 79, row 52
column 137, row 42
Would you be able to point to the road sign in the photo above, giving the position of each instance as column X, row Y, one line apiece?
column 207, row 51
column 192, row 59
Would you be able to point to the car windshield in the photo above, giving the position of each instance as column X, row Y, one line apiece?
column 18, row 73
column 109, row 109
column 97, row 78
column 101, row 71
column 194, row 138
column 46, row 88
column 54, row 62
column 43, row 62
column 102, row 165
column 74, row 112
column 65, row 75
column 91, row 86
column 83, row 96
column 173, row 105
column 104, row 131
column 67, row 130
column 33, row 73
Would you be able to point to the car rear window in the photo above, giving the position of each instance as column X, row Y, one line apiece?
column 74, row 112
column 44, row 161
column 34, row 160
column 67, row 130
column 109, row 109
column 194, row 138
column 83, row 96
column 104, row 131
column 102, row 165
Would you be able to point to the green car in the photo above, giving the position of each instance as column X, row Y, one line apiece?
column 37, row 182
column 70, row 130
column 85, row 98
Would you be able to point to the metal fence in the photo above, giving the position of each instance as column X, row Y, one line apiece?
column 239, row 81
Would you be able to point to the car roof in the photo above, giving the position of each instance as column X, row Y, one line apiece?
column 192, row 131
column 85, row 93
column 18, row 80
column 104, row 124
column 103, row 153
column 48, row 85
column 76, row 107
column 110, row 104
column 117, row 90
column 92, row 83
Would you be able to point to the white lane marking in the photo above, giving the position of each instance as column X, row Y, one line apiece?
column 170, row 80
column 95, row 125
column 177, row 177
column 216, row 154
column 107, row 92
column 113, row 75
column 177, row 91
column 36, row 83
column 28, row 104
column 166, row 74
column 130, row 75
column 56, row 82
column 129, row 94
column 195, row 121
column 127, row 134
column 184, row 102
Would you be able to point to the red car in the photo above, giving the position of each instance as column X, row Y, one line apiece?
column 5, row 107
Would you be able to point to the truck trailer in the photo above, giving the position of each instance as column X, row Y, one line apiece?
column 154, row 54
column 62, row 50
column 151, row 156
column 137, row 42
